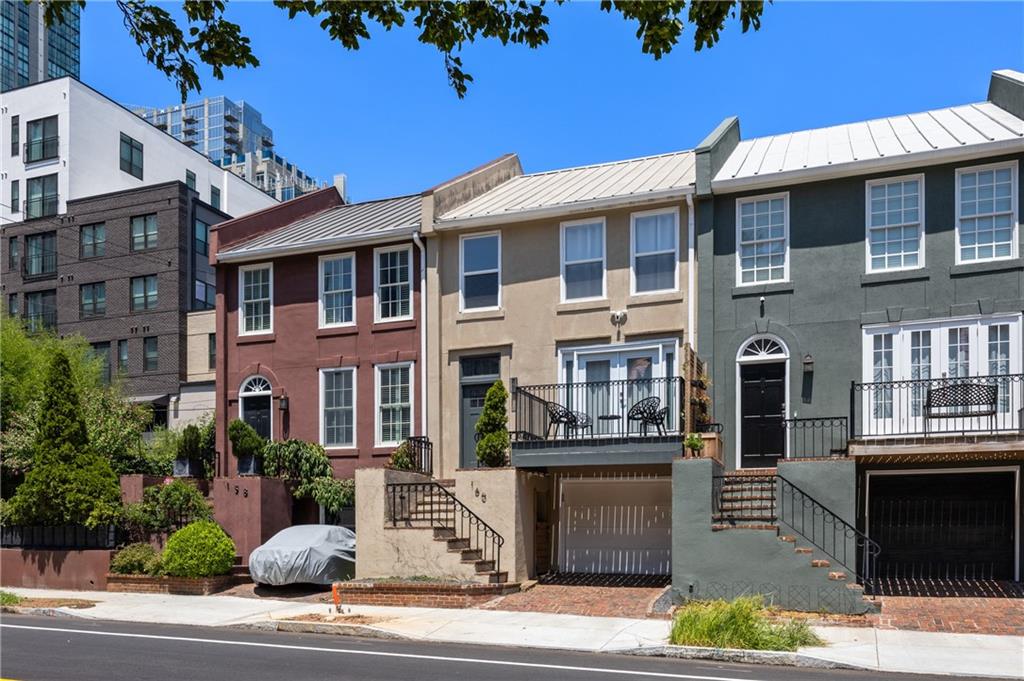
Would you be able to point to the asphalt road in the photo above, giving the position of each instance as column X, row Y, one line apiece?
column 68, row 649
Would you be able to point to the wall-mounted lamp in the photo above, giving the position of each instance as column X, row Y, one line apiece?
column 808, row 363
column 282, row 404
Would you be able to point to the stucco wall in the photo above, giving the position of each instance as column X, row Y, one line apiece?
column 532, row 323
column 829, row 297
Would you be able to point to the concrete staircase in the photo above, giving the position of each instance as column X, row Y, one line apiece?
column 469, row 549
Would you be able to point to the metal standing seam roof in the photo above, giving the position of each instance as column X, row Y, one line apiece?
column 637, row 178
column 341, row 224
column 883, row 139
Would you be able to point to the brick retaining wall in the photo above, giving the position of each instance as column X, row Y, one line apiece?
column 421, row 594
column 189, row 586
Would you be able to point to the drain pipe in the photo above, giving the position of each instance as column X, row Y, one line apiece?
column 691, row 272
column 418, row 240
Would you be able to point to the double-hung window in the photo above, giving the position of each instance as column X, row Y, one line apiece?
column 394, row 403
column 762, row 237
column 255, row 293
column 144, row 291
column 144, row 232
column 986, row 212
column 131, row 156
column 337, row 407
column 392, row 276
column 583, row 259
column 480, row 261
column 337, row 290
column 895, row 224
column 654, row 241
column 93, row 299
column 93, row 240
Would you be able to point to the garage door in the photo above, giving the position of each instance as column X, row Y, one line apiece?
column 949, row 526
column 616, row 526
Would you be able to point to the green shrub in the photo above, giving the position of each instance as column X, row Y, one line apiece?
column 201, row 549
column 68, row 480
column 297, row 461
column 163, row 507
column 694, row 442
column 742, row 623
column 7, row 598
column 492, row 428
column 401, row 458
column 134, row 559
column 332, row 494
column 245, row 440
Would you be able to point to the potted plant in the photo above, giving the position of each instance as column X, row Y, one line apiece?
column 247, row 446
column 189, row 462
column 695, row 443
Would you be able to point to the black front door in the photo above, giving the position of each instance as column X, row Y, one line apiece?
column 472, row 406
column 947, row 526
column 762, row 409
column 257, row 413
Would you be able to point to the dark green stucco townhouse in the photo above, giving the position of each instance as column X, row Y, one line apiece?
column 860, row 293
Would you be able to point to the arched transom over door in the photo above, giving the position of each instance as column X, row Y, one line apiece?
column 254, row 399
column 762, row 387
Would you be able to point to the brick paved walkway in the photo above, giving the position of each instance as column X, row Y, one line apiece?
column 589, row 600
column 953, row 615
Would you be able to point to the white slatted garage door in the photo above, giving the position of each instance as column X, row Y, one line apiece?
column 616, row 526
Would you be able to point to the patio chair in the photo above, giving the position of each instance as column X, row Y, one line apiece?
column 648, row 412
column 559, row 416
column 581, row 422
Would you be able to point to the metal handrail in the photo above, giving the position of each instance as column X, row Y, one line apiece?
column 814, row 521
column 817, row 437
column 421, row 451
column 431, row 502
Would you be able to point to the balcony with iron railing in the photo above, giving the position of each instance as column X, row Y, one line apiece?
column 968, row 409
column 42, row 149
column 41, row 206
column 597, row 423
column 45, row 320
column 39, row 265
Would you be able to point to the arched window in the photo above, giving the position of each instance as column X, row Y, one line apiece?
column 255, row 385
column 254, row 405
column 763, row 348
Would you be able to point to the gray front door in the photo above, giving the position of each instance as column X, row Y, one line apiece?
column 472, row 406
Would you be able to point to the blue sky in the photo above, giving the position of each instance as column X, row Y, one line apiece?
column 386, row 116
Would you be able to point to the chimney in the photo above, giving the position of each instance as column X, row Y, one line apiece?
column 1006, row 90
column 341, row 184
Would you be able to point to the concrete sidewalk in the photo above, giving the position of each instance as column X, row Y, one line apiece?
column 874, row 649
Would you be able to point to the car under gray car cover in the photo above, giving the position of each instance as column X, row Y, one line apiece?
column 305, row 554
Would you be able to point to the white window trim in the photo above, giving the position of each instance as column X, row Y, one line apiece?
column 604, row 258
column 258, row 393
column 1014, row 213
column 785, row 236
column 376, row 283
column 674, row 211
column 783, row 357
column 462, row 271
column 659, row 346
column 355, row 409
column 378, row 441
column 867, row 223
column 241, row 298
column 321, row 312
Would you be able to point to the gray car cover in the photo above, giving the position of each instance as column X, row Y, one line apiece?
column 315, row 554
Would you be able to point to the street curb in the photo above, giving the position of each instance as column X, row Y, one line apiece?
column 767, row 657
column 39, row 612
column 292, row 627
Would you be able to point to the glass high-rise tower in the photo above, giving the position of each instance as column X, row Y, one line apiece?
column 30, row 51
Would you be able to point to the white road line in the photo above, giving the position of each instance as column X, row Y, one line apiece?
column 378, row 653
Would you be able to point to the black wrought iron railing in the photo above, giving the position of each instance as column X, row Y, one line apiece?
column 816, row 438
column 39, row 265
column 948, row 406
column 641, row 408
column 41, row 206
column 41, row 149
column 421, row 451
column 429, row 504
column 41, row 321
column 838, row 539
column 60, row 536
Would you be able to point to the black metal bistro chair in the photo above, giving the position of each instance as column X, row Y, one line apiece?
column 648, row 412
column 581, row 423
column 559, row 416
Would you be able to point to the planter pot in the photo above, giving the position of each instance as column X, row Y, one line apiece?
column 250, row 464
column 190, row 586
column 188, row 468
column 699, row 384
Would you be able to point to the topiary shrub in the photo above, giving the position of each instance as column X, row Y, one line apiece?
column 134, row 559
column 201, row 549
column 68, row 480
column 492, row 428
column 401, row 458
column 245, row 441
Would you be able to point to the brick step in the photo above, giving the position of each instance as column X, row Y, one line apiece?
column 821, row 563
column 719, row 527
column 837, row 576
column 734, row 495
column 455, row 543
column 803, row 549
column 494, row 577
column 744, row 506
column 745, row 517
column 741, row 472
column 481, row 566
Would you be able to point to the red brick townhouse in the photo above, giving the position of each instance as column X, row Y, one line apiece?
column 318, row 325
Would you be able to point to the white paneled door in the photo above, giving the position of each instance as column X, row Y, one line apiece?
column 616, row 526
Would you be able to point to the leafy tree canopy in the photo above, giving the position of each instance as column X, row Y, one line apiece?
column 210, row 38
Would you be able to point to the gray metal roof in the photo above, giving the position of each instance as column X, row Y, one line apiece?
column 351, row 222
column 646, row 178
column 885, row 141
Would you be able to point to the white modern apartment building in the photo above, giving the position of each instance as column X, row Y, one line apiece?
column 61, row 140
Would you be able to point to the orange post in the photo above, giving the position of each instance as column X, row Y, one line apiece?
column 336, row 595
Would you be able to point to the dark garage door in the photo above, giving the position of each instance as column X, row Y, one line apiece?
column 949, row 526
